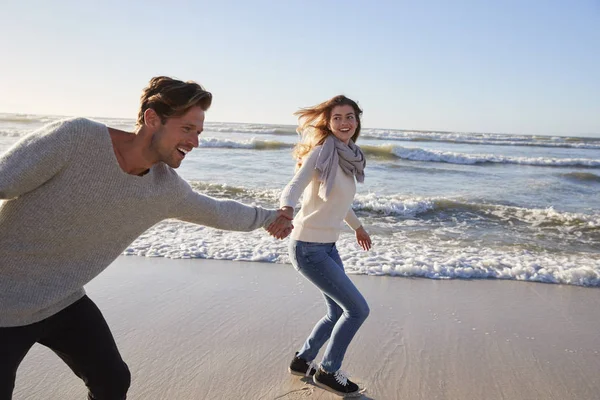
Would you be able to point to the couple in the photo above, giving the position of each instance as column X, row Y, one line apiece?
column 78, row 193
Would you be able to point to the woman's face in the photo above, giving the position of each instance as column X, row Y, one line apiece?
column 343, row 122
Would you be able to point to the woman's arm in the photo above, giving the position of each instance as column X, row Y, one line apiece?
column 293, row 190
column 362, row 237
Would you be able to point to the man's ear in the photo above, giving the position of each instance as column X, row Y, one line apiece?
column 151, row 119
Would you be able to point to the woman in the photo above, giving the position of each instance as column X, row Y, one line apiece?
column 329, row 161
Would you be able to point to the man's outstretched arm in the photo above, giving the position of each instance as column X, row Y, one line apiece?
column 228, row 215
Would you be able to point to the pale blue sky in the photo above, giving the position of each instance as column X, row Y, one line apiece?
column 517, row 66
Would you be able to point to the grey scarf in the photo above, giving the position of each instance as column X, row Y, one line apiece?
column 333, row 152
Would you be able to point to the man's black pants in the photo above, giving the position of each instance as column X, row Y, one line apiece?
column 80, row 336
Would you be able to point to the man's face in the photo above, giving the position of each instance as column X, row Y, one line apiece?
column 178, row 136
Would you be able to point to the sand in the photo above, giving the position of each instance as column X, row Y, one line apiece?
column 206, row 329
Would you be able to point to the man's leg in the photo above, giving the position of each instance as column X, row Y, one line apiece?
column 80, row 336
column 14, row 344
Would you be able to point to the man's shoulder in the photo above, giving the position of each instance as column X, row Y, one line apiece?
column 81, row 125
column 61, row 132
column 71, row 127
column 73, row 122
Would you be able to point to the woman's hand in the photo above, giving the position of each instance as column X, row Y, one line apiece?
column 282, row 226
column 287, row 212
column 363, row 238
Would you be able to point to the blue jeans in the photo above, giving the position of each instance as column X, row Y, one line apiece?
column 347, row 309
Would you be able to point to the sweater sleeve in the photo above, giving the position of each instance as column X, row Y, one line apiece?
column 352, row 220
column 221, row 214
column 35, row 159
column 294, row 189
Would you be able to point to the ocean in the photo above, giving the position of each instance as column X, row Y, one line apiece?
column 440, row 205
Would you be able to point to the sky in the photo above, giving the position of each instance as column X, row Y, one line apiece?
column 512, row 66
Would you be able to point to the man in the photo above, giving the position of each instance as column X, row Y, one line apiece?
column 77, row 194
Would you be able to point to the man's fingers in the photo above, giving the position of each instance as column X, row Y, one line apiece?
column 280, row 228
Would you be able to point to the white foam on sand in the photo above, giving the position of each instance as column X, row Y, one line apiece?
column 393, row 255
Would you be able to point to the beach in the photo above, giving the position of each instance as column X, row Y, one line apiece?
column 468, row 137
column 214, row 329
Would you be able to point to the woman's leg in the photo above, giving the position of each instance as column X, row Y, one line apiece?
column 320, row 263
column 322, row 330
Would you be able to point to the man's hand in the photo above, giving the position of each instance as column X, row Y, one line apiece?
column 363, row 238
column 282, row 226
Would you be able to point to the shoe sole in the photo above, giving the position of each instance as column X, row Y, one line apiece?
column 298, row 373
column 341, row 394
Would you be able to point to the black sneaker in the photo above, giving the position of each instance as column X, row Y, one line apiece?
column 336, row 382
column 299, row 366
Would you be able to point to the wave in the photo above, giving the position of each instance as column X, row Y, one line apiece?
column 428, row 169
column 401, row 206
column 219, row 190
column 256, row 129
column 584, row 177
column 419, row 136
column 483, row 139
column 397, row 205
column 11, row 133
column 370, row 133
column 29, row 118
column 411, row 154
column 427, row 136
column 253, row 143
column 418, row 154
column 385, row 151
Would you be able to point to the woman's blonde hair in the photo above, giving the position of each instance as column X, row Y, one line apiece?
column 313, row 124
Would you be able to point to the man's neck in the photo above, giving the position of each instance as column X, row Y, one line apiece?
column 131, row 150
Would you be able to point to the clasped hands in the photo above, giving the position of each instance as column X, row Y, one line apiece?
column 282, row 226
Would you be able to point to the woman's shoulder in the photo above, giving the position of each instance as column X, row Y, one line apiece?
column 312, row 155
column 309, row 159
column 314, row 151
